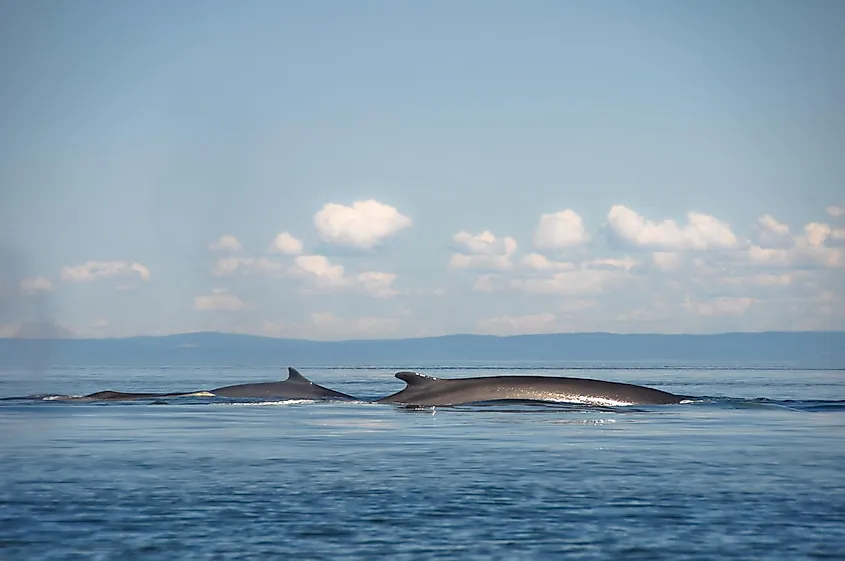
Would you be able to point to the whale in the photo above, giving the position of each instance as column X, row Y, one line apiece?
column 423, row 390
column 296, row 386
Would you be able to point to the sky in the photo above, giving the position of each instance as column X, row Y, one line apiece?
column 372, row 169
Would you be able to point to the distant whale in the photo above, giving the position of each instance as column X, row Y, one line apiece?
column 296, row 386
column 428, row 390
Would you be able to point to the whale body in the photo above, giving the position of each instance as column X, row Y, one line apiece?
column 428, row 390
column 296, row 386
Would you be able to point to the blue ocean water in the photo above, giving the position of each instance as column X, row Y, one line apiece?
column 754, row 470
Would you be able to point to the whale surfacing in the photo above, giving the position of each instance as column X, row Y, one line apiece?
column 296, row 386
column 428, row 390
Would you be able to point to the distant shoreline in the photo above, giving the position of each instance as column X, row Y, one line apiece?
column 823, row 349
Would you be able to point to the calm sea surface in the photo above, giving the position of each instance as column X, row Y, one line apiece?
column 755, row 470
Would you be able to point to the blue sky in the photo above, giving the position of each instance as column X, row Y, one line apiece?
column 437, row 167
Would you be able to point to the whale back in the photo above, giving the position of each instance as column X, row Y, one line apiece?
column 296, row 386
column 428, row 390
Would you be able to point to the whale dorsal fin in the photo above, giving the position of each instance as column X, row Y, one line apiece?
column 295, row 377
column 415, row 379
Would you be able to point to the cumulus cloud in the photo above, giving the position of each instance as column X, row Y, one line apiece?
column 226, row 242
column 510, row 325
column 818, row 234
column 328, row 326
column 813, row 248
column 33, row 285
column 485, row 283
column 540, row 275
column 772, row 234
column 287, row 244
column 350, row 328
column 581, row 281
column 318, row 271
column 363, row 225
column 96, row 270
column 625, row 263
column 560, row 230
column 229, row 266
column 461, row 261
column 760, row 279
column 702, row 232
column 538, row 262
column 721, row 306
column 667, row 260
column 482, row 251
column 484, row 243
column 836, row 211
column 219, row 300
column 577, row 305
column 320, row 275
column 377, row 284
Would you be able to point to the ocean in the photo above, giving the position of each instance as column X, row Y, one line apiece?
column 755, row 469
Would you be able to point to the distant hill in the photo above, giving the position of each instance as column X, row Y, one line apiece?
column 813, row 349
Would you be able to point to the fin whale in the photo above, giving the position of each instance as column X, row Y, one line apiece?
column 296, row 386
column 428, row 390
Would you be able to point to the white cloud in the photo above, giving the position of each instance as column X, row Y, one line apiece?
column 485, row 283
column 37, row 329
column 219, row 300
column 97, row 329
column 626, row 263
column 318, row 271
column 701, row 233
column 227, row 242
column 493, row 262
column 560, row 230
column 96, row 270
column 363, row 225
column 572, row 306
column 810, row 249
column 484, row 243
column 320, row 275
column 582, row 281
column 228, row 266
column 378, row 285
column 836, row 211
column 722, row 306
column 772, row 234
column 482, row 251
column 667, row 260
column 33, row 285
column 762, row 279
column 327, row 326
column 287, row 244
column 537, row 262
column 510, row 325
column 369, row 326
column 818, row 234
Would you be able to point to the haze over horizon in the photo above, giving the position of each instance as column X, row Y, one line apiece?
column 341, row 171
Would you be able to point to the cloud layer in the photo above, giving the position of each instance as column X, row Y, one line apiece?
column 660, row 275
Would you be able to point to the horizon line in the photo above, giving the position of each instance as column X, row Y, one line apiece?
column 421, row 338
